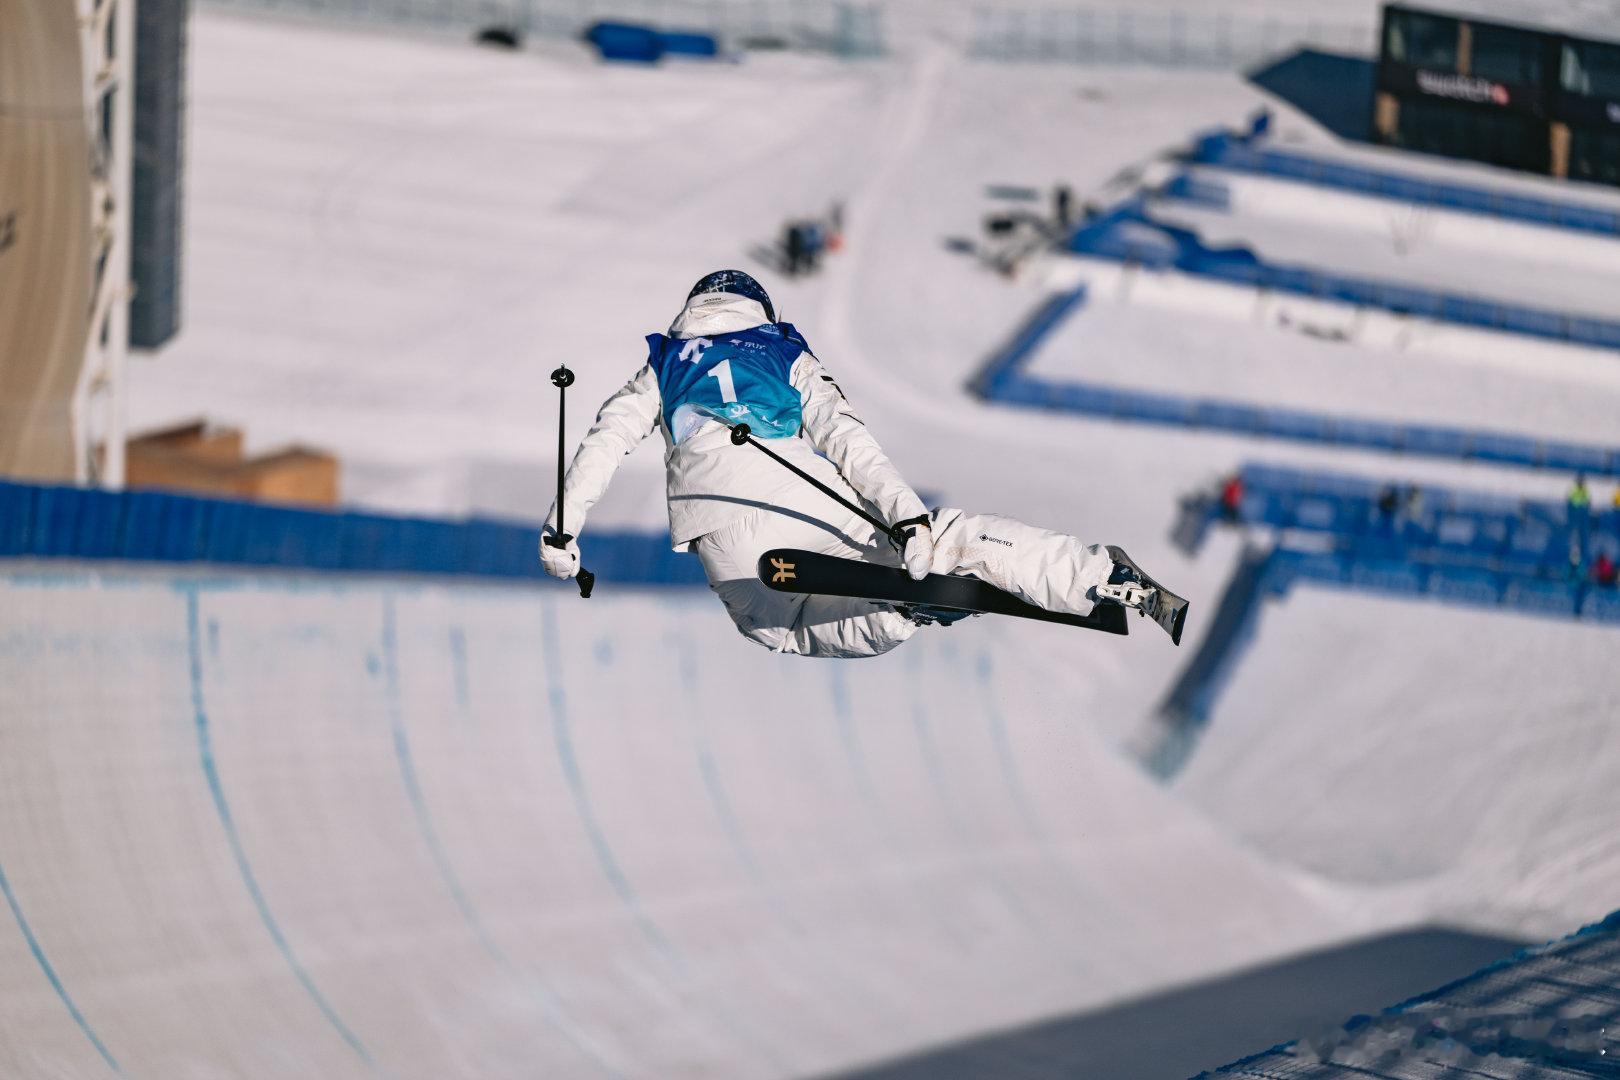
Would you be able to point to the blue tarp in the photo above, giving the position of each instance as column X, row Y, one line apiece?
column 626, row 43
column 635, row 43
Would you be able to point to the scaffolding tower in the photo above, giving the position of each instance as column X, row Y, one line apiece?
column 107, row 38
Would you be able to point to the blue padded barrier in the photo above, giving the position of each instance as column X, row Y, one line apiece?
column 1602, row 605
column 51, row 522
column 1003, row 379
column 1128, row 233
column 1464, row 585
column 1231, row 152
column 1198, row 190
column 1548, row 597
column 1472, row 548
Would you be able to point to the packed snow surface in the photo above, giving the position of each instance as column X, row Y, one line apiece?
column 392, row 241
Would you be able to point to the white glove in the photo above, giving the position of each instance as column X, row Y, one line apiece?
column 919, row 551
column 560, row 562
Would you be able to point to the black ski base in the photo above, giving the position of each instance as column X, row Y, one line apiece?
column 793, row 571
column 1171, row 611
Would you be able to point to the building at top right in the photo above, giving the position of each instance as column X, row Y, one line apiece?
column 1543, row 100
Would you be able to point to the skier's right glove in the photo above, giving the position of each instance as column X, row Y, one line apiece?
column 918, row 553
column 560, row 562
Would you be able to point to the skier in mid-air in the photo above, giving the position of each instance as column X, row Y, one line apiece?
column 726, row 362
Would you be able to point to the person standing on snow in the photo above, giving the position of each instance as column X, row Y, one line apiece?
column 727, row 361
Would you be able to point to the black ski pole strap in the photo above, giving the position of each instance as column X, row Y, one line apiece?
column 741, row 433
column 903, row 530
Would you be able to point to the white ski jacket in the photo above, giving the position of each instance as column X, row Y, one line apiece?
column 711, row 483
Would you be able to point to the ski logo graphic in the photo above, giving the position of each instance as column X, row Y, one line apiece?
column 784, row 571
column 694, row 349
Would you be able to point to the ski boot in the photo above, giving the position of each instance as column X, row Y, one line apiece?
column 1130, row 587
column 1126, row 588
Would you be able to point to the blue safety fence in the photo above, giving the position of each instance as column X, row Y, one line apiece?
column 1235, row 152
column 1543, row 1013
column 1524, row 535
column 1186, row 708
column 1004, row 378
column 43, row 522
column 1130, row 234
column 1533, row 557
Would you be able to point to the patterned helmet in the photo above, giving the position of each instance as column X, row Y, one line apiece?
column 737, row 283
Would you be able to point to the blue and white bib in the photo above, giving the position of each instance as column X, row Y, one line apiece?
column 735, row 378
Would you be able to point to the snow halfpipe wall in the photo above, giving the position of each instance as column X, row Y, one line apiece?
column 286, row 824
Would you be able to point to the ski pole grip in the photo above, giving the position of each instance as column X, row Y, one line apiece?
column 586, row 579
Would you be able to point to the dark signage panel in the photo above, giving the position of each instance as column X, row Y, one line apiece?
column 1498, row 93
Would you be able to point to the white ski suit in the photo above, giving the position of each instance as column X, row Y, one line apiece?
column 729, row 504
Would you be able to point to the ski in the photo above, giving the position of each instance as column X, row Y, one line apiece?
column 1169, row 610
column 793, row 571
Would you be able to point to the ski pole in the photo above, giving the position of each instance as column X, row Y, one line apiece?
column 562, row 379
column 741, row 433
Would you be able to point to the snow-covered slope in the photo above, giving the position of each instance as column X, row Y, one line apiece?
column 392, row 242
column 286, row 827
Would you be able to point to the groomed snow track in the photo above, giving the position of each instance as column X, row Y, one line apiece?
column 284, row 823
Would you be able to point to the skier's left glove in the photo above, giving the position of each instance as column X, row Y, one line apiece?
column 560, row 562
column 918, row 553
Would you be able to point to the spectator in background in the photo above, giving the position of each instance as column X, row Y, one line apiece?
column 1604, row 571
column 1414, row 502
column 814, row 241
column 793, row 249
column 1232, row 497
column 1580, row 513
column 1063, row 206
column 835, row 226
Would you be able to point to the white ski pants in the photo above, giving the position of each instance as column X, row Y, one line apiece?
column 1049, row 569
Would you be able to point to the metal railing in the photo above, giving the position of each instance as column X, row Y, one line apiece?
column 1156, row 38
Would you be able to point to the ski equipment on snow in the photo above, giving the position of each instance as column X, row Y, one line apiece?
column 793, row 571
column 738, row 284
column 562, row 379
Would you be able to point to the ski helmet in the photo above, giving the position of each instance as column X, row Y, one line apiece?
column 738, row 284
